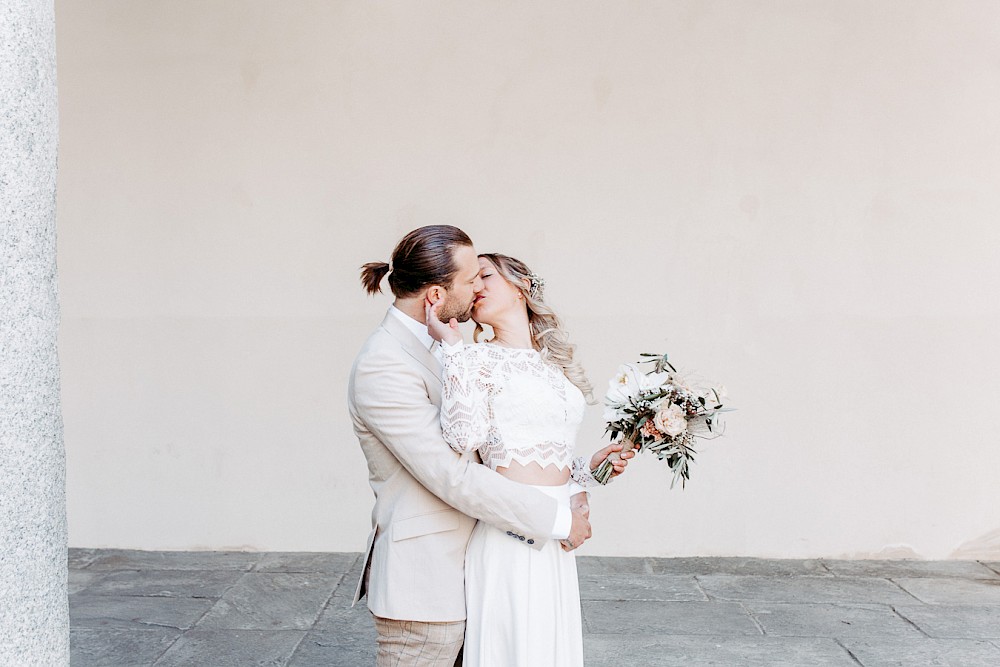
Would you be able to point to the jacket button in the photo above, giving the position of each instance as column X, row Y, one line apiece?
column 510, row 533
column 531, row 541
column 521, row 537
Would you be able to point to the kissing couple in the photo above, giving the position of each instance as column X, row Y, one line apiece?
column 479, row 501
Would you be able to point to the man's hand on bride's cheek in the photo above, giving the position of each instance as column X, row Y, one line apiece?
column 438, row 330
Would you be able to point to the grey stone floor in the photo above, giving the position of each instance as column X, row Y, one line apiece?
column 234, row 608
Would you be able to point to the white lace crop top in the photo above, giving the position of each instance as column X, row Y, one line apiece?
column 511, row 405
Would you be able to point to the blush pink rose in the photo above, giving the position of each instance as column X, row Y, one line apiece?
column 670, row 420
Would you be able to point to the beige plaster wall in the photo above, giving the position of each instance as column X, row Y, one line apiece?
column 799, row 199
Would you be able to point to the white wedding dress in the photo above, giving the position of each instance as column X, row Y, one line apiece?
column 523, row 604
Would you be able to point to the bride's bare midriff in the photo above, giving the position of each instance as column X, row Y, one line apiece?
column 532, row 473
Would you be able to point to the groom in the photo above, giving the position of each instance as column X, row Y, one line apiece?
column 427, row 496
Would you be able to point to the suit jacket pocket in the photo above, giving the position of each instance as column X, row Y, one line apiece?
column 425, row 524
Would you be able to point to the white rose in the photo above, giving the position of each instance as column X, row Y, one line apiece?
column 625, row 384
column 670, row 420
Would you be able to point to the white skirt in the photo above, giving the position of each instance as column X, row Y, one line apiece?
column 523, row 604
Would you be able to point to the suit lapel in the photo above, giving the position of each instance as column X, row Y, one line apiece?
column 412, row 345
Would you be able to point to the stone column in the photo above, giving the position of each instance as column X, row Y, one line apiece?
column 34, row 616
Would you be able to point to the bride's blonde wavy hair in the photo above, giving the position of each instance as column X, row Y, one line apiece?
column 547, row 334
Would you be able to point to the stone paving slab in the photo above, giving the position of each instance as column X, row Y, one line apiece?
column 349, row 582
column 612, row 565
column 166, row 583
column 864, row 590
column 272, row 601
column 955, row 621
column 306, row 562
column 127, row 559
column 830, row 620
column 961, row 569
column 702, row 651
column 118, row 647
column 342, row 637
column 340, row 617
column 81, row 558
column 81, row 579
column 663, row 587
column 924, row 652
column 242, row 648
column 332, row 651
column 737, row 566
column 645, row 617
column 953, row 591
column 99, row 611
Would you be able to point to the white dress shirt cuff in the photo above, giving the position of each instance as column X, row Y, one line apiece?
column 564, row 522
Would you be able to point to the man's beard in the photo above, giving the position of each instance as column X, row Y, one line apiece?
column 459, row 311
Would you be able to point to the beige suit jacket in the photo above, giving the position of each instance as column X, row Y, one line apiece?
column 427, row 496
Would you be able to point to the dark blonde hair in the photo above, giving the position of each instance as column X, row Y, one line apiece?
column 424, row 257
column 547, row 333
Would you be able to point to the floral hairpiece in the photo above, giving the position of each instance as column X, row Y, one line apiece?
column 537, row 286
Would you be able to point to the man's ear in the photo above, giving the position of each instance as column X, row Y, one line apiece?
column 435, row 293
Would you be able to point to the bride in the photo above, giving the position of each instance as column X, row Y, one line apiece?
column 518, row 400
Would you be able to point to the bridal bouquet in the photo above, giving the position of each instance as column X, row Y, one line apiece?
column 659, row 411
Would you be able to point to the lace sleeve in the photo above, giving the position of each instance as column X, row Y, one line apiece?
column 466, row 413
column 581, row 473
